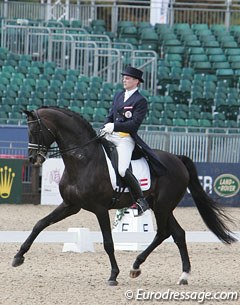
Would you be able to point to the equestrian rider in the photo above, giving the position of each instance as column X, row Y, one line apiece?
column 121, row 125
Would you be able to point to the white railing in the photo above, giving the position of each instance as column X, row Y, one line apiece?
column 112, row 11
column 199, row 147
column 222, row 148
column 91, row 54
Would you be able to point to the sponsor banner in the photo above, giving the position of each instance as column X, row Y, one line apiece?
column 220, row 181
column 52, row 170
column 11, row 173
column 159, row 11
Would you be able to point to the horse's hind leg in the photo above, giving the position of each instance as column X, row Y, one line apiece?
column 178, row 235
column 61, row 212
column 161, row 235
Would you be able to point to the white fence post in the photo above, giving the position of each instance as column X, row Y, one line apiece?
column 83, row 242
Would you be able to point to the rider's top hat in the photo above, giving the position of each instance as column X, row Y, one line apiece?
column 133, row 72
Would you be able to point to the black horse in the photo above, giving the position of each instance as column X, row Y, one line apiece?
column 85, row 184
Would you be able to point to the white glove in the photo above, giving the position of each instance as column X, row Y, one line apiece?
column 108, row 128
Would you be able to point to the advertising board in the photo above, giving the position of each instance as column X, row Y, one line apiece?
column 219, row 180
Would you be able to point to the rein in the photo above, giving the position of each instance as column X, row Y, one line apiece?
column 61, row 152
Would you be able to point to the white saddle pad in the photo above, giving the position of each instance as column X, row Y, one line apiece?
column 140, row 170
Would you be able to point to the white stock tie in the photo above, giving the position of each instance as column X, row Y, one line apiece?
column 126, row 96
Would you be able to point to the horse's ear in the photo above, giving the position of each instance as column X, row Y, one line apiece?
column 27, row 112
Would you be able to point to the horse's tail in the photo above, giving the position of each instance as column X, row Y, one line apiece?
column 210, row 211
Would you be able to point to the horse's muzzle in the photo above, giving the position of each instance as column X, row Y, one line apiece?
column 36, row 159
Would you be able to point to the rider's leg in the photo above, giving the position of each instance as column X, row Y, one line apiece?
column 125, row 149
column 135, row 188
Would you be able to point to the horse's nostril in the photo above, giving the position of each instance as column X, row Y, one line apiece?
column 31, row 159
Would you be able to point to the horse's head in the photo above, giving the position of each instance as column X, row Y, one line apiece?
column 40, row 137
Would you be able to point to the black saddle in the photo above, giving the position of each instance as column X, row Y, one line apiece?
column 111, row 152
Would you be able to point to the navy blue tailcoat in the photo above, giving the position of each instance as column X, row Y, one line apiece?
column 127, row 117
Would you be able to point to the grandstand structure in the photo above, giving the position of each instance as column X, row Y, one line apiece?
column 71, row 55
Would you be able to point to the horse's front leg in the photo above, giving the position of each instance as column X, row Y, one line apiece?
column 105, row 225
column 61, row 212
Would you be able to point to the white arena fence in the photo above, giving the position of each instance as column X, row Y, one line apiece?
column 83, row 240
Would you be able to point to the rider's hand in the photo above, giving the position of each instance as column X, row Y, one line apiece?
column 108, row 128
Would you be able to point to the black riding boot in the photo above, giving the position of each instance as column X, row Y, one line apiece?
column 136, row 191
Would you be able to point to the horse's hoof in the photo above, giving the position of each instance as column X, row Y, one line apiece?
column 112, row 283
column 184, row 278
column 183, row 282
column 135, row 273
column 17, row 261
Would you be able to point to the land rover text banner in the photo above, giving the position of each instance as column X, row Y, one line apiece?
column 221, row 181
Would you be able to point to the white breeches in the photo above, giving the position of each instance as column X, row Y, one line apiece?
column 125, row 147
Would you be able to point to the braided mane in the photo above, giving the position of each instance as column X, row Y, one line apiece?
column 75, row 115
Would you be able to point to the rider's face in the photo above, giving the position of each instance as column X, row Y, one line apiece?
column 130, row 83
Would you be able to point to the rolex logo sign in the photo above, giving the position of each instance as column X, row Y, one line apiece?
column 6, row 181
column 11, row 180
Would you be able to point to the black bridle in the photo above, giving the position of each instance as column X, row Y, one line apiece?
column 40, row 147
column 43, row 149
